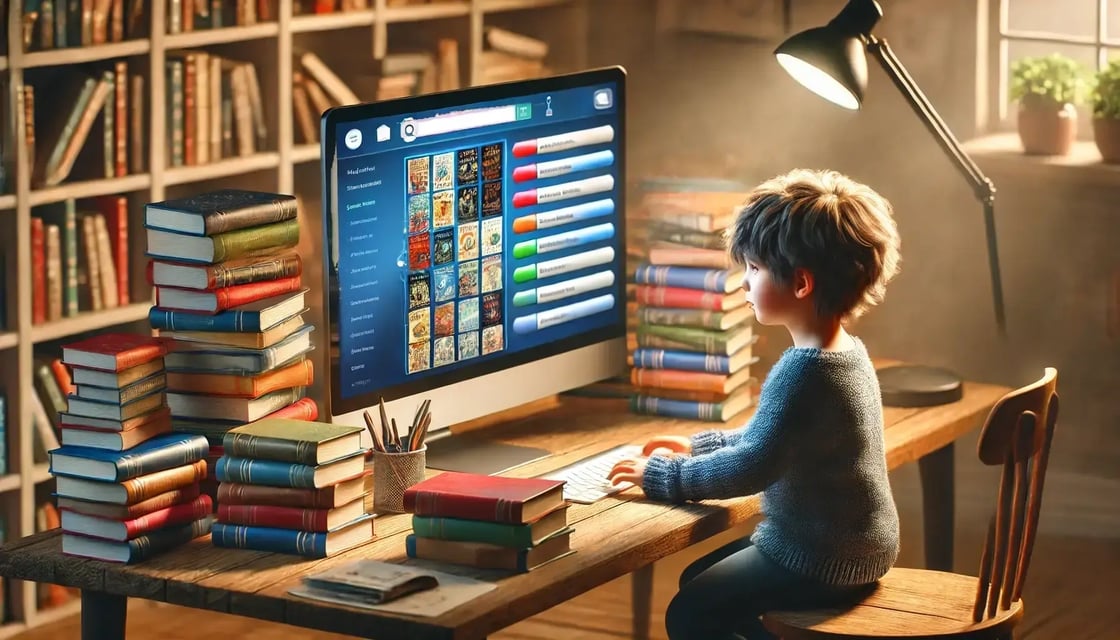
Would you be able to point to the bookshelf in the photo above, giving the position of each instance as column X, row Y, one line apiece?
column 280, row 164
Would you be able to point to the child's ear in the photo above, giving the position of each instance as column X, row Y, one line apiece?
column 802, row 283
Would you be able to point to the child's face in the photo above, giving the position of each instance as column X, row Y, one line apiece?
column 771, row 300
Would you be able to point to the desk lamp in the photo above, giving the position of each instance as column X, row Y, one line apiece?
column 830, row 61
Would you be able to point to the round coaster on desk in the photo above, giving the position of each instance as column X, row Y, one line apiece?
column 913, row 385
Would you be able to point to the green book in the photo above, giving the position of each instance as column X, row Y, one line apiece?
column 519, row 536
column 250, row 241
column 298, row 441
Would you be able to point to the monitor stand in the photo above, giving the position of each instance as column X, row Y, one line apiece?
column 474, row 453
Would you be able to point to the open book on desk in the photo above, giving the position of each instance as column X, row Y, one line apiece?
column 395, row 588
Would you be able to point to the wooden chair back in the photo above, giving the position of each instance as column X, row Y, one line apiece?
column 1017, row 435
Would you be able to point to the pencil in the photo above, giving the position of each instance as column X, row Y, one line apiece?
column 373, row 432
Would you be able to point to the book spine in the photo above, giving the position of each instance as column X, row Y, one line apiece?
column 250, row 494
column 148, row 486
column 244, row 242
column 267, row 472
column 225, row 275
column 240, row 321
column 684, row 277
column 673, row 379
column 680, row 317
column 70, row 247
column 665, row 359
column 156, row 542
column 302, row 409
column 238, row 295
column 471, row 507
column 464, row 530
column 242, row 216
column 178, row 514
column 678, row 297
column 239, row 445
column 649, row 405
column 175, row 455
column 314, row 520
column 302, row 543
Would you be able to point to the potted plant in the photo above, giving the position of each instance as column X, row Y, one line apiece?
column 1048, row 88
column 1106, row 112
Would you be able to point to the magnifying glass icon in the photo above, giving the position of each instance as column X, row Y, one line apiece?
column 408, row 131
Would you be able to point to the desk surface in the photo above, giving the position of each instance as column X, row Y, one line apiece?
column 612, row 537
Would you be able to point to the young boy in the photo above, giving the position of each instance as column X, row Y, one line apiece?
column 818, row 249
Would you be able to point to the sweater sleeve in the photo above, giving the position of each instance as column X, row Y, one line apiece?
column 750, row 458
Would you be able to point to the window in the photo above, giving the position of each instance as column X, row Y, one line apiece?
column 1086, row 30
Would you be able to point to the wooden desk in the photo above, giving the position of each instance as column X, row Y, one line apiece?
column 613, row 537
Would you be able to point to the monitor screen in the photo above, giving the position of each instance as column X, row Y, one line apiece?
column 471, row 232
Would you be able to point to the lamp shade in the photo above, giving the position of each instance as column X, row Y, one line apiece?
column 829, row 62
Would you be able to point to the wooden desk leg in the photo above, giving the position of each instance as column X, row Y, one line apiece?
column 936, row 470
column 641, row 601
column 103, row 615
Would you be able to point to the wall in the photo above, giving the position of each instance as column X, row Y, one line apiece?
column 720, row 105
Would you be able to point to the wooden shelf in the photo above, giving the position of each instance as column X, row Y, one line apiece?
column 420, row 12
column 496, row 6
column 90, row 321
column 207, row 37
column 90, row 189
column 331, row 21
column 3, row 63
column 7, row 201
column 221, row 168
column 305, row 153
column 12, row 629
column 78, row 55
column 42, row 472
column 8, row 339
column 9, row 482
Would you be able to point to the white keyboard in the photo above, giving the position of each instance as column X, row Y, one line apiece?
column 586, row 480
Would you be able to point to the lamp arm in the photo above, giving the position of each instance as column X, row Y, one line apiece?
column 982, row 187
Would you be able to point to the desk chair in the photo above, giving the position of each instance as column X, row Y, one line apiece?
column 914, row 603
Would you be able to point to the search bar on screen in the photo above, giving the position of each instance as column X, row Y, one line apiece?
column 450, row 123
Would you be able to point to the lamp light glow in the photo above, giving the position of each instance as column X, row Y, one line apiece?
column 817, row 81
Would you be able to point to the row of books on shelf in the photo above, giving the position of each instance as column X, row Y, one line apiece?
column 58, row 24
column 79, row 257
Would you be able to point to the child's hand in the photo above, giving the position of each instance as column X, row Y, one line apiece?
column 666, row 445
column 628, row 470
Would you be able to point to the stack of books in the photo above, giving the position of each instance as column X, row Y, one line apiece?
column 488, row 522
column 692, row 337
column 230, row 304
column 292, row 486
column 128, row 488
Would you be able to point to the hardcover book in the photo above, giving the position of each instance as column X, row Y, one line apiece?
column 159, row 453
column 215, row 212
column 113, row 351
column 481, row 497
column 304, row 442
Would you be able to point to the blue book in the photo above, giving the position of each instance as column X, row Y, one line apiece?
column 161, row 452
column 249, row 318
column 275, row 473
column 302, row 543
column 731, row 406
column 689, row 360
column 138, row 548
column 718, row 280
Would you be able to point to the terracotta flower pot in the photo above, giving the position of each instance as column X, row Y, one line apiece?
column 1106, row 133
column 1047, row 129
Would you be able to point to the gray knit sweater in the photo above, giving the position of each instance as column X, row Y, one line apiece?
column 814, row 448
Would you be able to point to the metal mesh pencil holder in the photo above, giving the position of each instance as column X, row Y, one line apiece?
column 392, row 474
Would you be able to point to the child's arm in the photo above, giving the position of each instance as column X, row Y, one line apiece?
column 750, row 458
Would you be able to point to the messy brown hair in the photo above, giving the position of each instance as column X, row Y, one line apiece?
column 840, row 230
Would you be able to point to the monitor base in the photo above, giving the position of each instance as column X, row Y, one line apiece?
column 477, row 454
column 918, row 386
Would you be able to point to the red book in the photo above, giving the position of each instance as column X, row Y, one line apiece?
column 317, row 520
column 115, row 210
column 679, row 297
column 474, row 496
column 113, row 351
column 82, row 524
column 223, row 299
column 38, row 272
column 302, row 409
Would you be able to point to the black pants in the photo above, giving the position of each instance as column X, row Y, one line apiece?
column 723, row 594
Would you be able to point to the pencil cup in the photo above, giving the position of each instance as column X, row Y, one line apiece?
column 392, row 474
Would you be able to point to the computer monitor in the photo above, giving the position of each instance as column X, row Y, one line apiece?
column 474, row 249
